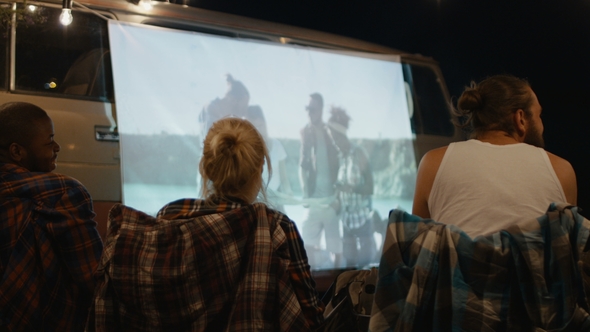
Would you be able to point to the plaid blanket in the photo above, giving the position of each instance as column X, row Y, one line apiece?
column 532, row 276
column 227, row 267
column 49, row 249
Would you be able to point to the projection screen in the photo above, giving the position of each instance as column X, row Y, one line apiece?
column 169, row 82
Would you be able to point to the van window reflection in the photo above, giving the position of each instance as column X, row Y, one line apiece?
column 67, row 60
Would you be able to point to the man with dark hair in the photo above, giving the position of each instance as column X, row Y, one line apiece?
column 318, row 171
column 49, row 245
column 503, row 174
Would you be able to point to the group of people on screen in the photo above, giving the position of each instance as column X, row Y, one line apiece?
column 228, row 261
column 335, row 177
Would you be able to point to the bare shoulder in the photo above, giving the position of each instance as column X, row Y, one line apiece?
column 433, row 158
column 561, row 165
column 424, row 180
column 566, row 175
column 429, row 166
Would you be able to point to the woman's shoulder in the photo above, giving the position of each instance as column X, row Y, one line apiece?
column 264, row 207
column 185, row 208
column 272, row 213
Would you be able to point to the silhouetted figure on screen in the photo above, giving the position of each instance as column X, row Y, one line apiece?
column 234, row 103
column 354, row 189
column 279, row 180
column 318, row 171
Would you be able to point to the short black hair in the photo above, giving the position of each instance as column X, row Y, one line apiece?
column 15, row 122
column 319, row 98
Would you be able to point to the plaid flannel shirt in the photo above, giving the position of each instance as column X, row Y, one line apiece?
column 356, row 204
column 49, row 249
column 532, row 276
column 229, row 267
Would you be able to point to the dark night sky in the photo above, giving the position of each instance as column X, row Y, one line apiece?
column 547, row 42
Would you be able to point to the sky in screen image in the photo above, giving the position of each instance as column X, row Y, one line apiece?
column 164, row 78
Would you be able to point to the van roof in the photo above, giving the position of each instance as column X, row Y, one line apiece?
column 183, row 17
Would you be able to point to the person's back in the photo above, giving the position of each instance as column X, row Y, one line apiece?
column 224, row 263
column 501, row 176
column 49, row 245
column 483, row 188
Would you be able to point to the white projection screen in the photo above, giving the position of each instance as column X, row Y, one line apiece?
column 166, row 80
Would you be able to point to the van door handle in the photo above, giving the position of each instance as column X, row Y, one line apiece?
column 106, row 134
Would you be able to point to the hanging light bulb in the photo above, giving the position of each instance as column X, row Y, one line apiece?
column 66, row 13
column 146, row 4
column 66, row 16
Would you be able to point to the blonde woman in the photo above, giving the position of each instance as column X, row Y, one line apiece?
column 223, row 263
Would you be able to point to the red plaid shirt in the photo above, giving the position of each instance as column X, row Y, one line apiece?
column 49, row 249
column 229, row 267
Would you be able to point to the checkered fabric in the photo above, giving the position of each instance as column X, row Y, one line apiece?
column 532, row 276
column 49, row 249
column 228, row 267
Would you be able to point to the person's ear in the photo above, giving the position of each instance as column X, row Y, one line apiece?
column 520, row 122
column 16, row 152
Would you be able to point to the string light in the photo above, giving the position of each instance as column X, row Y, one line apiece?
column 146, row 4
column 66, row 13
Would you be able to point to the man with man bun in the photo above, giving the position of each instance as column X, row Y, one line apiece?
column 501, row 175
column 49, row 245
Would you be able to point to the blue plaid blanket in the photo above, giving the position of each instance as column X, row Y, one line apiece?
column 534, row 275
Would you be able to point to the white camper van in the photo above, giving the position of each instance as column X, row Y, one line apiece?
column 128, row 83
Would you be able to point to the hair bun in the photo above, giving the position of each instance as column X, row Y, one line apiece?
column 234, row 153
column 470, row 101
column 225, row 143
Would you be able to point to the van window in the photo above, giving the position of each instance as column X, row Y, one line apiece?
column 3, row 59
column 431, row 114
column 69, row 60
column 5, row 24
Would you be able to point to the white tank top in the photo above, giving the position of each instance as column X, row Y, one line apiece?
column 483, row 188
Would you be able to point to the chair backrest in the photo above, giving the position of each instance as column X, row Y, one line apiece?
column 349, row 301
column 196, row 272
column 534, row 275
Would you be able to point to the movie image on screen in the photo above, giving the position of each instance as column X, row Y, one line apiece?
column 336, row 125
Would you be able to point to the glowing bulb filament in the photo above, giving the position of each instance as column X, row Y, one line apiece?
column 146, row 4
column 66, row 16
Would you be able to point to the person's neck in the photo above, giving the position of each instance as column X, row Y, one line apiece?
column 497, row 137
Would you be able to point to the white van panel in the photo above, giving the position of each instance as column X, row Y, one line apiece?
column 82, row 156
column 74, row 122
column 104, row 182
